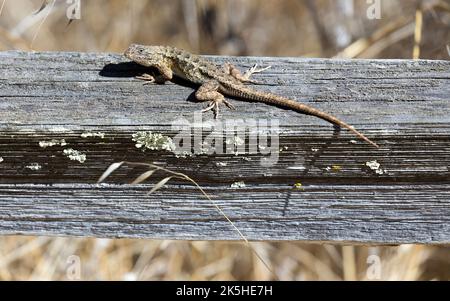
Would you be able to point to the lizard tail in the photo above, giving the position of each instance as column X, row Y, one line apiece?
column 299, row 107
column 286, row 103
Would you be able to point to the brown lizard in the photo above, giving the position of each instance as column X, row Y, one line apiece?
column 215, row 82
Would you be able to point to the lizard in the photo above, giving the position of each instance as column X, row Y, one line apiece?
column 215, row 82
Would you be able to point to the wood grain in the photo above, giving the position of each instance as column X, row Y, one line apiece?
column 402, row 105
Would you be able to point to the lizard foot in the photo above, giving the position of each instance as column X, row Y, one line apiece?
column 214, row 106
column 249, row 73
column 208, row 92
column 245, row 78
column 149, row 79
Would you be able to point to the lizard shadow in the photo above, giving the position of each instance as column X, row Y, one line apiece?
column 311, row 162
column 125, row 69
column 132, row 69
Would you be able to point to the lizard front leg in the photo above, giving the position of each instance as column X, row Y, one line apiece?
column 209, row 91
column 245, row 78
column 165, row 74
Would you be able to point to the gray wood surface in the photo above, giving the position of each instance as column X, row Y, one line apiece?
column 402, row 105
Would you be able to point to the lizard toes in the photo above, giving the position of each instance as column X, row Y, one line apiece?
column 210, row 107
column 229, row 105
column 149, row 79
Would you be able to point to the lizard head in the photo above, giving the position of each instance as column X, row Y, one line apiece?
column 145, row 55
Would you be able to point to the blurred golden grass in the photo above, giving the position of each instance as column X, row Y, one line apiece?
column 324, row 28
column 44, row 258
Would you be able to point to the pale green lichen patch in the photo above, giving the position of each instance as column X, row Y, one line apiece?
column 236, row 141
column 153, row 141
column 53, row 142
column 184, row 154
column 93, row 135
column 202, row 149
column 34, row 166
column 75, row 155
column 239, row 184
column 376, row 167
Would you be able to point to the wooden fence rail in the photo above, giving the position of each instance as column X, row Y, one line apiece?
column 65, row 117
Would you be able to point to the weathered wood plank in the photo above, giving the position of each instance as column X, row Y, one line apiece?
column 401, row 105
column 339, row 213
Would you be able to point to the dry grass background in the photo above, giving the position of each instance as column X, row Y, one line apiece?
column 325, row 28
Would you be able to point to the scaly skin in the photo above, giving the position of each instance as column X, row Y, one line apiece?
column 215, row 82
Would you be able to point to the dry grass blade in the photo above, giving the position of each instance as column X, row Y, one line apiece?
column 160, row 184
column 349, row 263
column 182, row 176
column 357, row 48
column 109, row 171
column 143, row 177
column 1, row 8
column 441, row 5
column 418, row 33
column 23, row 250
column 44, row 6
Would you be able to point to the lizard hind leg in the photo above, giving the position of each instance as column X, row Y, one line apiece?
column 245, row 78
column 209, row 91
